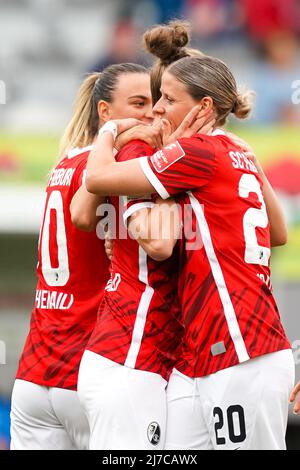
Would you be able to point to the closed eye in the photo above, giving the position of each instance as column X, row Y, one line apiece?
column 140, row 104
column 168, row 98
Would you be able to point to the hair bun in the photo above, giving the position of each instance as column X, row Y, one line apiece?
column 243, row 104
column 168, row 41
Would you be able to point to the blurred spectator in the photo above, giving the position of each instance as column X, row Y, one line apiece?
column 169, row 9
column 215, row 18
column 273, row 79
column 263, row 17
column 124, row 46
column 4, row 424
column 160, row 11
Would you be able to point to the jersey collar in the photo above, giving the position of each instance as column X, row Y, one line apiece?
column 77, row 151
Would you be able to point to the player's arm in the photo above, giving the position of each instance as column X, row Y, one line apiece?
column 295, row 395
column 278, row 225
column 84, row 204
column 156, row 228
column 106, row 176
column 83, row 209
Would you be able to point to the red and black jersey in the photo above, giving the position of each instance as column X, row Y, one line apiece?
column 72, row 273
column 138, row 323
column 228, row 309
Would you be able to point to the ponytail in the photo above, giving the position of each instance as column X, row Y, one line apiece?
column 83, row 126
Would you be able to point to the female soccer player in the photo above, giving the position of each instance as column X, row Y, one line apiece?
column 231, row 385
column 136, row 340
column 72, row 272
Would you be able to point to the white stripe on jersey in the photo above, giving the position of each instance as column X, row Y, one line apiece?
column 229, row 312
column 137, row 207
column 142, row 312
column 150, row 175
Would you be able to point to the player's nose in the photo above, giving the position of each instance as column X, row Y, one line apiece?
column 149, row 116
column 158, row 109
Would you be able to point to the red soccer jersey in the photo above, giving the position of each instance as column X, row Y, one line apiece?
column 72, row 273
column 228, row 309
column 137, row 323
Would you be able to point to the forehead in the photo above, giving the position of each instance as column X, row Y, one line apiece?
column 134, row 84
column 170, row 84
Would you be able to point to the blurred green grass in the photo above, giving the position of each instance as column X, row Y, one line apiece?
column 33, row 156
column 271, row 143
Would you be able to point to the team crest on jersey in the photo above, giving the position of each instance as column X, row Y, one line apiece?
column 164, row 158
column 153, row 433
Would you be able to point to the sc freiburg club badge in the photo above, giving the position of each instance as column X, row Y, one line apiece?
column 153, row 433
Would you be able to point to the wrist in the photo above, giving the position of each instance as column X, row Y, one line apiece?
column 111, row 127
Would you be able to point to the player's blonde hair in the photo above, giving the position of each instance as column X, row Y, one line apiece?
column 168, row 43
column 84, row 124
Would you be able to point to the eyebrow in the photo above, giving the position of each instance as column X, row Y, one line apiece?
column 141, row 97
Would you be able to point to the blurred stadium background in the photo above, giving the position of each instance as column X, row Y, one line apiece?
column 46, row 47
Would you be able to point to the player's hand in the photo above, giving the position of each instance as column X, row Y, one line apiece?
column 151, row 134
column 246, row 149
column 244, row 146
column 108, row 245
column 125, row 124
column 196, row 121
column 296, row 395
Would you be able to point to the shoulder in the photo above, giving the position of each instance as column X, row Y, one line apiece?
column 200, row 146
column 78, row 156
column 134, row 149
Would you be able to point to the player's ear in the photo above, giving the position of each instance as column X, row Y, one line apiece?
column 104, row 111
column 207, row 103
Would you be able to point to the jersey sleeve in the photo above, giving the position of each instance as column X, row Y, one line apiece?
column 135, row 149
column 80, row 175
column 183, row 165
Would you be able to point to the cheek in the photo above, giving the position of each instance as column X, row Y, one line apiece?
column 172, row 116
column 117, row 111
column 132, row 111
column 177, row 120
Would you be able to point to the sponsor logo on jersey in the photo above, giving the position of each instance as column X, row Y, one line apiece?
column 164, row 158
column 153, row 433
column 113, row 283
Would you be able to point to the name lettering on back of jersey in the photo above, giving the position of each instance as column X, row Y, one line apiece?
column 165, row 157
column 53, row 300
column 241, row 162
column 61, row 177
